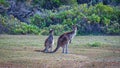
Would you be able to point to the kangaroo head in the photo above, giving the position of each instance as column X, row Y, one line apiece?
column 51, row 31
column 74, row 28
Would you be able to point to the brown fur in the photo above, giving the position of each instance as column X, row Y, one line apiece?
column 65, row 39
column 49, row 42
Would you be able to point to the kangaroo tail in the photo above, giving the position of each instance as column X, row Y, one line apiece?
column 55, row 49
column 43, row 50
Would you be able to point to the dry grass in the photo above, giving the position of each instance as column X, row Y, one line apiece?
column 20, row 51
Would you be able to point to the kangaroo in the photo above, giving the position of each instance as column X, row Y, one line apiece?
column 64, row 40
column 49, row 42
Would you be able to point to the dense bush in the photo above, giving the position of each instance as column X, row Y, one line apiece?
column 94, row 18
column 4, row 3
column 98, row 19
column 114, row 29
column 47, row 4
column 68, row 2
column 7, row 23
column 90, row 20
column 13, row 26
column 117, row 1
column 58, row 29
column 95, row 44
column 51, row 4
column 38, row 21
column 24, row 28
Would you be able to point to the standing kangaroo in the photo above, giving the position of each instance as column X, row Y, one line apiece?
column 64, row 40
column 49, row 42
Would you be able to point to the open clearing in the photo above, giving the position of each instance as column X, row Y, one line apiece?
column 22, row 51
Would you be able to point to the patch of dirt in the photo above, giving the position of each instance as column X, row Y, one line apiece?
column 56, row 60
column 30, row 57
column 101, row 65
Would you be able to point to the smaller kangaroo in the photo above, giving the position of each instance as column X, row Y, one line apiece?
column 49, row 42
column 65, row 39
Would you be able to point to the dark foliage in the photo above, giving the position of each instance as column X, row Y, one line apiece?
column 38, row 16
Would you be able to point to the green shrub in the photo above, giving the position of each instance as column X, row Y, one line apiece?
column 84, row 9
column 90, row 20
column 68, row 2
column 58, row 29
column 68, row 22
column 38, row 21
column 3, row 19
column 116, row 14
column 24, row 28
column 106, row 21
column 94, row 18
column 4, row 3
column 8, row 23
column 47, row 4
column 117, row 1
column 103, row 9
column 114, row 29
column 44, row 32
column 94, row 44
column 12, row 25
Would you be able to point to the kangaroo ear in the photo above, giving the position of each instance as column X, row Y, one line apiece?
column 51, row 30
column 76, row 25
column 73, row 26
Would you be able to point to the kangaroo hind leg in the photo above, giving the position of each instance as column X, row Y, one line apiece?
column 46, row 49
column 66, row 49
column 63, row 50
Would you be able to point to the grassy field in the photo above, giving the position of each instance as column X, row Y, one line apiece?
column 21, row 51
